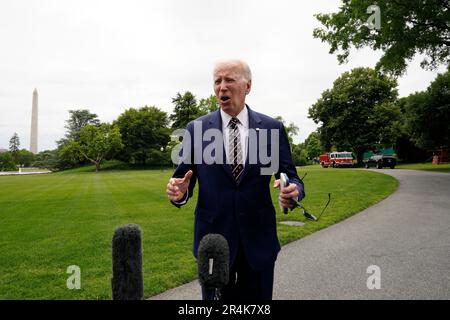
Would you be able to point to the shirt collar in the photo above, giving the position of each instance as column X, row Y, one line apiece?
column 242, row 117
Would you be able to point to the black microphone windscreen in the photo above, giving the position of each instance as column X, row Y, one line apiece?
column 213, row 260
column 127, row 282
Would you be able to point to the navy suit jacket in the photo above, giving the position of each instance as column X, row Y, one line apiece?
column 240, row 210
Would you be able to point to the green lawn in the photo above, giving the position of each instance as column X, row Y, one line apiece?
column 425, row 166
column 49, row 222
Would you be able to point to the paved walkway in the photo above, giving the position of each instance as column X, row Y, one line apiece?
column 14, row 173
column 406, row 235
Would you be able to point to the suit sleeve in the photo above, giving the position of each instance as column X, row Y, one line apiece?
column 185, row 164
column 287, row 164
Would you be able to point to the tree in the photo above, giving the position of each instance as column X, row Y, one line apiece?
column 299, row 154
column 78, row 119
column 14, row 144
column 358, row 112
column 291, row 129
column 407, row 27
column 208, row 105
column 7, row 162
column 48, row 159
column 144, row 132
column 407, row 150
column 312, row 145
column 25, row 158
column 185, row 110
column 428, row 114
column 95, row 143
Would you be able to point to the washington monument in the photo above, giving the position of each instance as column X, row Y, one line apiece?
column 34, row 124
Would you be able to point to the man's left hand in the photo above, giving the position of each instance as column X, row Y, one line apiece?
column 286, row 194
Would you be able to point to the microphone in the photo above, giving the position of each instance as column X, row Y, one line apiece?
column 127, row 283
column 213, row 261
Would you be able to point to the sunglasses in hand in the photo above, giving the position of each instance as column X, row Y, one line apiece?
column 306, row 213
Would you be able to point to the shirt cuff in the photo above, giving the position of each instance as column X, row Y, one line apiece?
column 183, row 200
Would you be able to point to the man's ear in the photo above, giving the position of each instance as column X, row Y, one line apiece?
column 249, row 86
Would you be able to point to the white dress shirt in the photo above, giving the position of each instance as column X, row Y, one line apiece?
column 243, row 132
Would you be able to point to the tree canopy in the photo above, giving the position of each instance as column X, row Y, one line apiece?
column 95, row 143
column 427, row 114
column 14, row 144
column 7, row 162
column 407, row 27
column 144, row 132
column 25, row 158
column 291, row 129
column 312, row 145
column 208, row 105
column 77, row 120
column 185, row 110
column 358, row 112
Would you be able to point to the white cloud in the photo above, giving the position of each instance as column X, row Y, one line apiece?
column 111, row 55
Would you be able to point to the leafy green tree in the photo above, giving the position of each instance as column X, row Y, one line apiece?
column 358, row 112
column 95, row 143
column 208, row 105
column 14, row 144
column 78, row 119
column 67, row 157
column 48, row 159
column 25, row 158
column 7, row 162
column 299, row 156
column 407, row 27
column 405, row 148
column 291, row 129
column 312, row 145
column 428, row 114
column 185, row 110
column 407, row 151
column 144, row 132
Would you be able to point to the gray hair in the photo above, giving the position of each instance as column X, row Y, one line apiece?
column 246, row 72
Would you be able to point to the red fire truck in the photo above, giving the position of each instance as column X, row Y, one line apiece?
column 336, row 159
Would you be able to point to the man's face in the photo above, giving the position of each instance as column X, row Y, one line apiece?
column 231, row 87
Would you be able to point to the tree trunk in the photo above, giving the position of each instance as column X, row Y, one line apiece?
column 359, row 157
column 97, row 166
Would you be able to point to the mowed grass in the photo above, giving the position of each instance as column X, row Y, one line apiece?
column 425, row 166
column 49, row 222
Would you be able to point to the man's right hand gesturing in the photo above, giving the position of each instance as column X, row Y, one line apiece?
column 177, row 187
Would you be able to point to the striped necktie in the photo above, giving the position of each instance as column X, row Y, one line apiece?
column 235, row 150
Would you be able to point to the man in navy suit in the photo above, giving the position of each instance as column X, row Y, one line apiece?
column 234, row 189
